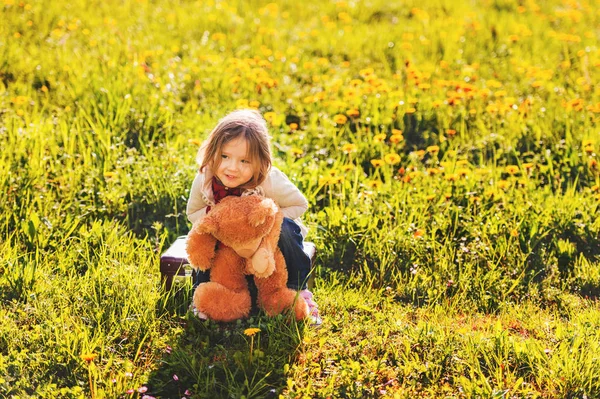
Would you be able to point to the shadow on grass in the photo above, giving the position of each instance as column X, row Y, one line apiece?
column 221, row 360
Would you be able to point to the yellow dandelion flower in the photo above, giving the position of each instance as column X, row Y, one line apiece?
column 251, row 331
column 88, row 357
column 410, row 110
column 512, row 169
column 254, row 104
column 396, row 138
column 392, row 159
column 374, row 183
column 293, row 126
column 433, row 149
column 377, row 162
column 503, row 184
column 347, row 168
column 514, row 233
column 378, row 138
column 433, row 171
column 270, row 116
column 340, row 119
column 430, row 197
column 462, row 172
column 527, row 165
column 397, row 132
column 353, row 113
column 195, row 141
column 296, row 151
column 109, row 175
column 348, row 148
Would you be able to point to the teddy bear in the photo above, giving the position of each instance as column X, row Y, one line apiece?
column 239, row 237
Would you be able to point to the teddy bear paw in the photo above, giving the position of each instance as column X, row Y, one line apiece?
column 262, row 263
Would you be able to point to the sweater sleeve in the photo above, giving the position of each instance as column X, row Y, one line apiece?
column 288, row 197
column 196, row 206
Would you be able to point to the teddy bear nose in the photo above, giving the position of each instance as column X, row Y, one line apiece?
column 245, row 253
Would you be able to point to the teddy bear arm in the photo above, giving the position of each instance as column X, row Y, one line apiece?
column 201, row 250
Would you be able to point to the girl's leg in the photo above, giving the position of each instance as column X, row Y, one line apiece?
column 199, row 277
column 291, row 244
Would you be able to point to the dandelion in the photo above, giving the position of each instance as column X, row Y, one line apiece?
column 378, row 138
column 349, row 148
column 391, row 159
column 512, row 169
column 430, row 197
column 377, row 162
column 375, row 184
column 396, row 138
column 418, row 233
column 527, row 166
column 251, row 332
column 296, row 151
column 353, row 113
column 450, row 132
column 88, row 357
column 293, row 126
column 410, row 110
column 514, row 233
column 462, row 172
column 340, row 119
column 109, row 175
column 195, row 141
column 503, row 184
column 270, row 116
column 433, row 149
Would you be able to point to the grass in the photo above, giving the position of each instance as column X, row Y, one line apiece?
column 449, row 152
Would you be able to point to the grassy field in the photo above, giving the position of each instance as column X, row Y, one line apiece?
column 449, row 152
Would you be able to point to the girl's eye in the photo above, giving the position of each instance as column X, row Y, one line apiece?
column 244, row 161
column 223, row 156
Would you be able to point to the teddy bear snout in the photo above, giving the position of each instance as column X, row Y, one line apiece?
column 249, row 249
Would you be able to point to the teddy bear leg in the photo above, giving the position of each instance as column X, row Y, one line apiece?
column 278, row 301
column 274, row 296
column 220, row 303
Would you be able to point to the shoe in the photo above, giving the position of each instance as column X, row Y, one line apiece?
column 197, row 313
column 313, row 308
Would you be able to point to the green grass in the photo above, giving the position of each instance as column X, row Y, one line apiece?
column 449, row 152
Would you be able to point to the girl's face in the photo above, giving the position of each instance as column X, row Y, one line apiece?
column 236, row 167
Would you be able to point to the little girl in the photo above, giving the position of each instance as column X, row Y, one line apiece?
column 236, row 160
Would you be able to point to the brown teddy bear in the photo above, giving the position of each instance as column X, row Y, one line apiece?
column 248, row 229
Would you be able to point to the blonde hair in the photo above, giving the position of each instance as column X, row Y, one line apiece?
column 246, row 123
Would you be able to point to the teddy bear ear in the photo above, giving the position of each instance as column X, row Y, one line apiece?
column 263, row 210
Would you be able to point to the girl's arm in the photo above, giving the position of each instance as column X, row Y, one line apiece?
column 196, row 206
column 288, row 197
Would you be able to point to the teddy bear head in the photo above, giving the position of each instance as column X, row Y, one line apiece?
column 241, row 223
